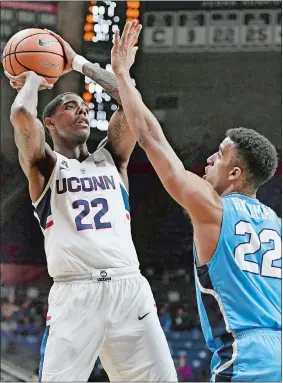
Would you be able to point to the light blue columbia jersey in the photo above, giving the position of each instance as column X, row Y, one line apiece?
column 240, row 288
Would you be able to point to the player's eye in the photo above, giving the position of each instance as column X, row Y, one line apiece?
column 69, row 107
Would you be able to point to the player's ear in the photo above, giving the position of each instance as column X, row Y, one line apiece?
column 49, row 122
column 235, row 173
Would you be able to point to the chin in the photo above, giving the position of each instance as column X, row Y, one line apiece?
column 84, row 134
column 82, row 138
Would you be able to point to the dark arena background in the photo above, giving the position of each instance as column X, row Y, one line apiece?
column 202, row 67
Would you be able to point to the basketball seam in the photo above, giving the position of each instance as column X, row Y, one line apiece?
column 15, row 51
column 34, row 34
column 39, row 74
column 10, row 59
column 53, row 53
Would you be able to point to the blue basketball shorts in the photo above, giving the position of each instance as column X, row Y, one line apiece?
column 253, row 355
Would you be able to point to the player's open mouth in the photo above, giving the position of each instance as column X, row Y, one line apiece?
column 82, row 121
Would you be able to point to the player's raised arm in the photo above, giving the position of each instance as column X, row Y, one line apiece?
column 192, row 192
column 103, row 77
column 120, row 140
column 29, row 131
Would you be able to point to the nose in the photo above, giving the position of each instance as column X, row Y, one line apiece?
column 82, row 111
column 210, row 160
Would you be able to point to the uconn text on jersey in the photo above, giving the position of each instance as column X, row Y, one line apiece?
column 86, row 184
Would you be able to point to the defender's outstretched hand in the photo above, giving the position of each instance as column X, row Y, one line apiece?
column 124, row 51
column 17, row 82
column 68, row 50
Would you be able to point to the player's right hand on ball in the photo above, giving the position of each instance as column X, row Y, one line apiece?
column 17, row 82
column 68, row 50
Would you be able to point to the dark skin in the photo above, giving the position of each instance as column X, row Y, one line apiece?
column 68, row 132
column 120, row 139
column 69, row 129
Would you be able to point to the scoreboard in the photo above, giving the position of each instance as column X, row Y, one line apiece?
column 18, row 15
column 215, row 26
column 191, row 30
column 102, row 19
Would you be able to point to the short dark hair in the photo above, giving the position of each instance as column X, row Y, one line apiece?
column 256, row 153
column 50, row 108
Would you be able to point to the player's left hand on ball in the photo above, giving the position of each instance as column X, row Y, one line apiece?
column 68, row 50
column 124, row 51
column 17, row 82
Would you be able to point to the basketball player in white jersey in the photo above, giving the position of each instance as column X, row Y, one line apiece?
column 99, row 304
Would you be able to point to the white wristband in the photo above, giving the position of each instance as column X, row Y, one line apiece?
column 78, row 63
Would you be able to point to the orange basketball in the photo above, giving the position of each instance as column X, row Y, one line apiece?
column 36, row 50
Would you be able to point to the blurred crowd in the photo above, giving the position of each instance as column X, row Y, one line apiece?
column 23, row 314
column 22, row 318
column 163, row 237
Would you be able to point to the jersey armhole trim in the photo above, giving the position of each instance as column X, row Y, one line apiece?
column 35, row 204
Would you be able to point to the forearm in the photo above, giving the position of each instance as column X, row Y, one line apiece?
column 141, row 121
column 104, row 78
column 28, row 96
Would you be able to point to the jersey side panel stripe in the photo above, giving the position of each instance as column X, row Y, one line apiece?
column 43, row 210
column 125, row 198
column 218, row 323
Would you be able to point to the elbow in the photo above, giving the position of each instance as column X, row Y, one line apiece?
column 143, row 141
column 146, row 136
column 146, row 141
column 142, row 132
column 18, row 111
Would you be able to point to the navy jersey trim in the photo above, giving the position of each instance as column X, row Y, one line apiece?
column 211, row 305
column 219, row 325
column 125, row 198
column 43, row 209
column 42, row 352
column 225, row 354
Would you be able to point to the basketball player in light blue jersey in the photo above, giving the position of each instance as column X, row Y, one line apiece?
column 237, row 239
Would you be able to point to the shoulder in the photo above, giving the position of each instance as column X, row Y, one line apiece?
column 105, row 148
column 108, row 150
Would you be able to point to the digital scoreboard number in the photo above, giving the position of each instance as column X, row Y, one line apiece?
column 191, row 30
column 213, row 26
column 256, row 29
column 158, row 31
column 224, row 30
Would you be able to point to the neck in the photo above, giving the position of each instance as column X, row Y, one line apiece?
column 232, row 189
column 78, row 152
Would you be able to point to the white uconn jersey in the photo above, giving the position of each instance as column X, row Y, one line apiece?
column 85, row 216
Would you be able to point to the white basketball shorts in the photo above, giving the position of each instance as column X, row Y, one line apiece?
column 111, row 314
